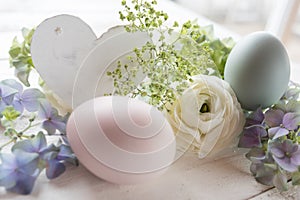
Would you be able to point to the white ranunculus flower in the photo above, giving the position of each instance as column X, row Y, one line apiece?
column 207, row 117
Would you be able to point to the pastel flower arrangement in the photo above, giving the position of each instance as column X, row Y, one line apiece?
column 184, row 70
column 272, row 135
column 27, row 117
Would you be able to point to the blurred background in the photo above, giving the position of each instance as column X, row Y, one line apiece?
column 246, row 16
column 241, row 16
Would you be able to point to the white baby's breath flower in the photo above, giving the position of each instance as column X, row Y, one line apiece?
column 207, row 117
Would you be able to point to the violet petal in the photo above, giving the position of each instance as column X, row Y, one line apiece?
column 274, row 118
column 277, row 132
column 291, row 121
column 286, row 164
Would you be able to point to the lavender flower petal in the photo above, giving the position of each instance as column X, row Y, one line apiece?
column 277, row 132
column 45, row 109
column 18, row 171
column 277, row 152
column 31, row 98
column 296, row 157
column 55, row 169
column 291, row 121
column 17, row 103
column 251, row 137
column 49, row 127
column 274, row 118
column 51, row 120
column 35, row 145
column 286, row 164
column 12, row 83
column 255, row 118
column 24, row 184
column 7, row 177
column 286, row 154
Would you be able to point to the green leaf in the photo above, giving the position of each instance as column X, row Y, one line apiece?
column 296, row 178
column 22, row 73
column 20, row 57
column 280, row 181
column 10, row 113
column 14, row 51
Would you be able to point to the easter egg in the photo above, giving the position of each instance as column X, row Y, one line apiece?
column 258, row 70
column 121, row 140
column 71, row 59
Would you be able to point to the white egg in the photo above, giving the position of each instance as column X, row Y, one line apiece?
column 258, row 70
column 121, row 140
column 73, row 62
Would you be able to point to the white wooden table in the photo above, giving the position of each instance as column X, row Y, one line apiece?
column 188, row 178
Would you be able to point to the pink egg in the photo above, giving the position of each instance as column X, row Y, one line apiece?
column 121, row 140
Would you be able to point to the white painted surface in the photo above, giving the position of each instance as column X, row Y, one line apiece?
column 188, row 178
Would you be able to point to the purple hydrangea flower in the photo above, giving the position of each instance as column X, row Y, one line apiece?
column 6, row 96
column 286, row 154
column 293, row 92
column 281, row 123
column 292, row 106
column 255, row 118
column 251, row 137
column 55, row 166
column 51, row 120
column 38, row 145
column 18, row 171
column 56, row 159
column 256, row 154
column 52, row 155
column 28, row 99
column 263, row 167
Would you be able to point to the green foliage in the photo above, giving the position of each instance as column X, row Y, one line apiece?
column 169, row 59
column 20, row 57
column 10, row 113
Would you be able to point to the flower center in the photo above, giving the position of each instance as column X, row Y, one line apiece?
column 288, row 155
column 204, row 108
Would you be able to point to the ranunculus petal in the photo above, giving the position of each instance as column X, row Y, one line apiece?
column 214, row 130
column 209, row 141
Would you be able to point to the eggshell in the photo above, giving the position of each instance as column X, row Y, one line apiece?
column 62, row 43
column 59, row 45
column 121, row 140
column 115, row 45
column 258, row 70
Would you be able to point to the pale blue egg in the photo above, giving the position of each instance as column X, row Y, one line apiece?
column 258, row 70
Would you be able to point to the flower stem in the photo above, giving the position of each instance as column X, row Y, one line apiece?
column 7, row 143
column 30, row 125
